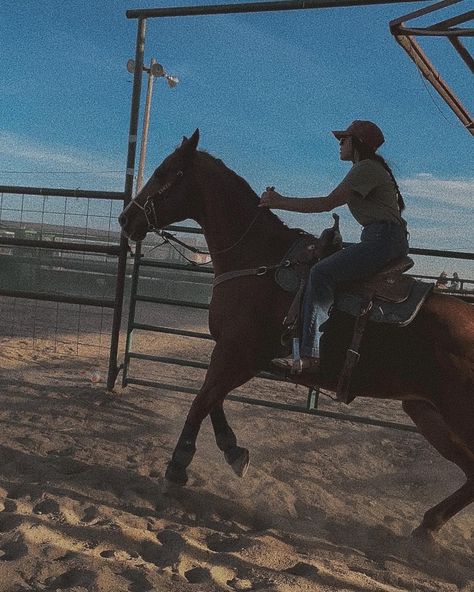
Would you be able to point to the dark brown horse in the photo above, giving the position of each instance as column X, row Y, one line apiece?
column 428, row 365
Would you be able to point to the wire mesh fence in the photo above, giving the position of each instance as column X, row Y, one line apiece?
column 58, row 272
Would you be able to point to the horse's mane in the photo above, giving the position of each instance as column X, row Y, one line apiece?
column 244, row 190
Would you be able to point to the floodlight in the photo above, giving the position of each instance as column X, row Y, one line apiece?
column 131, row 66
column 157, row 70
column 171, row 80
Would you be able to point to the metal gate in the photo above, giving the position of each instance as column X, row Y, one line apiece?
column 153, row 296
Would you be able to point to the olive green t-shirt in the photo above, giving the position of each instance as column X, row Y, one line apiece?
column 374, row 197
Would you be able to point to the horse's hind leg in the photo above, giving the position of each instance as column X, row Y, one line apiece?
column 236, row 456
column 432, row 426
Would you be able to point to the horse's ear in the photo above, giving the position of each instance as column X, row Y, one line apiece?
column 188, row 146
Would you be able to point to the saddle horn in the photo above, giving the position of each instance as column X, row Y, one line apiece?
column 330, row 240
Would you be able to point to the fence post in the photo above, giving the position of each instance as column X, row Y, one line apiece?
column 132, row 149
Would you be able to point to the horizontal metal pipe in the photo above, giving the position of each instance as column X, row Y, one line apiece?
column 415, row 251
column 252, row 7
column 447, row 254
column 178, row 266
column 170, row 331
column 435, row 277
column 171, row 301
column 165, row 360
column 50, row 192
column 103, row 303
column 283, row 406
column 201, row 365
column 61, row 246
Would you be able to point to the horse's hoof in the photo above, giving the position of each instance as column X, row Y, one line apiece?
column 175, row 475
column 239, row 460
column 421, row 533
column 425, row 538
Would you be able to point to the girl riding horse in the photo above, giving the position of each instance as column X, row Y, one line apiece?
column 374, row 199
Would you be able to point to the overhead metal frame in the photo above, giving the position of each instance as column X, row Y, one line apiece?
column 405, row 36
column 141, row 15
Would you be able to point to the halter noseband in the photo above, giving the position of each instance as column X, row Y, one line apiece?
column 149, row 207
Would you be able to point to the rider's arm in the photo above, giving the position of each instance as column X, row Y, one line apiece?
column 338, row 197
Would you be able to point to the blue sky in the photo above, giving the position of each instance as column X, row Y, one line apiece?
column 264, row 89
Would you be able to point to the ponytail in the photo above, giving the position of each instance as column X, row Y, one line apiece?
column 383, row 162
column 364, row 152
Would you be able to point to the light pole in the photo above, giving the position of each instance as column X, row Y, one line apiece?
column 155, row 70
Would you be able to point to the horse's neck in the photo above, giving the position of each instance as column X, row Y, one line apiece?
column 239, row 234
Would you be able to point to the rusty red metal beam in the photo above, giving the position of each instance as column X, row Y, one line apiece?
column 463, row 52
column 405, row 38
column 422, row 11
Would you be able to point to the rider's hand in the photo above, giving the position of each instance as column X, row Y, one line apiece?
column 270, row 198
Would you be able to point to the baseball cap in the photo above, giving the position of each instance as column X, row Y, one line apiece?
column 365, row 131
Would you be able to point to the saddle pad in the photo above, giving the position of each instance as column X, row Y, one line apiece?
column 401, row 313
column 300, row 255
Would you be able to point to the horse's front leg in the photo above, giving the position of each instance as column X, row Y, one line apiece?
column 236, row 456
column 227, row 371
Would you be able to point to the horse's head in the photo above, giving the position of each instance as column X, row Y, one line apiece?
column 164, row 199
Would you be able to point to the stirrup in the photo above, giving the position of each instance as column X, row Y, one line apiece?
column 298, row 366
column 288, row 364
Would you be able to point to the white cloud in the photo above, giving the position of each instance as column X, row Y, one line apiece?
column 447, row 192
column 17, row 150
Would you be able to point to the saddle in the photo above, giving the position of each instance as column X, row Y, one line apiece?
column 387, row 285
column 389, row 297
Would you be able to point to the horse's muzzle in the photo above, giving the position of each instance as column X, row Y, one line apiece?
column 132, row 234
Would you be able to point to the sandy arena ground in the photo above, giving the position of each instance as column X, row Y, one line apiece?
column 326, row 505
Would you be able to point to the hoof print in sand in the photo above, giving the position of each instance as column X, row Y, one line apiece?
column 151, row 553
column 138, row 582
column 170, row 537
column 13, row 550
column 84, row 578
column 9, row 522
column 46, row 506
column 90, row 514
column 242, row 585
column 8, row 506
column 305, row 570
column 198, row 575
column 225, row 543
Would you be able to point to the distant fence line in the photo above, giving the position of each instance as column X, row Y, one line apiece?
column 33, row 237
column 21, row 247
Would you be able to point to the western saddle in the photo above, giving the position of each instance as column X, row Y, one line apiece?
column 388, row 284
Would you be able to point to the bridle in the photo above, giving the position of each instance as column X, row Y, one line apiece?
column 148, row 208
column 150, row 214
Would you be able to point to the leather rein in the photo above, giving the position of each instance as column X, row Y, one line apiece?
column 151, row 218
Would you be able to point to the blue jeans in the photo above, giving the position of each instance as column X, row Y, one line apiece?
column 380, row 243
